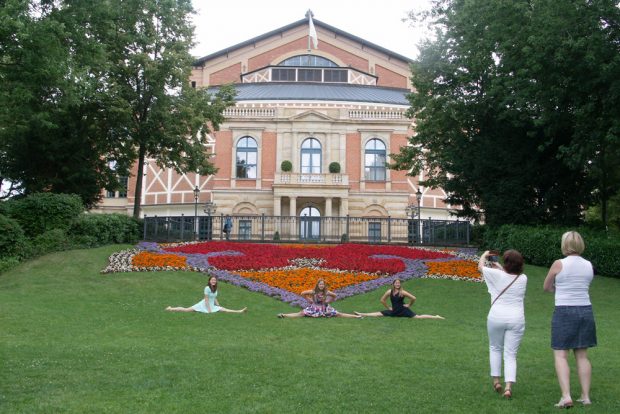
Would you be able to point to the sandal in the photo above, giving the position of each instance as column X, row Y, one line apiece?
column 584, row 401
column 280, row 315
column 508, row 394
column 564, row 404
column 497, row 387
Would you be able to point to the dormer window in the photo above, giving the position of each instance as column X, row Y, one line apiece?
column 309, row 68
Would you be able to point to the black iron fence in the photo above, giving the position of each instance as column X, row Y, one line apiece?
column 264, row 228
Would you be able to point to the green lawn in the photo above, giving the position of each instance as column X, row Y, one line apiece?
column 74, row 341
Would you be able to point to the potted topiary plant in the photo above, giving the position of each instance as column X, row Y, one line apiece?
column 286, row 166
column 334, row 167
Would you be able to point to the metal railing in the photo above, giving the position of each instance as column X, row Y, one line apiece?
column 253, row 228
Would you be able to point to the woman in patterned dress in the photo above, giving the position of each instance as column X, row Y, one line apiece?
column 209, row 304
column 397, row 297
column 320, row 298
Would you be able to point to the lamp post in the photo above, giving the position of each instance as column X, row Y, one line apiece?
column 411, row 212
column 418, row 196
column 196, row 196
column 210, row 208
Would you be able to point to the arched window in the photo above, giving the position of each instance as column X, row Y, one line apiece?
column 308, row 60
column 311, row 156
column 374, row 160
column 246, row 157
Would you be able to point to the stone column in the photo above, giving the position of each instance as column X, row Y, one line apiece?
column 344, row 207
column 328, row 207
column 293, row 214
column 277, row 206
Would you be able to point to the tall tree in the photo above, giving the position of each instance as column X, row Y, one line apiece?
column 496, row 118
column 159, row 115
column 51, row 106
column 89, row 85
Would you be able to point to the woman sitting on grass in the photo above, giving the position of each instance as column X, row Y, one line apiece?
column 320, row 298
column 209, row 304
column 398, row 309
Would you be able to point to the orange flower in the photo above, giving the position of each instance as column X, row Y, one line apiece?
column 298, row 280
column 148, row 259
column 456, row 268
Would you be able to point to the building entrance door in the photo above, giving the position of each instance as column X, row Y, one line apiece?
column 310, row 224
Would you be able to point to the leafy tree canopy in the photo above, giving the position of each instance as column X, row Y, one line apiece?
column 516, row 107
column 89, row 88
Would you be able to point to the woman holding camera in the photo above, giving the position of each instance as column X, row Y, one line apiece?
column 506, row 318
column 572, row 325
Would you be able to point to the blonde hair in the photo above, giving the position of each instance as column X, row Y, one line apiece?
column 572, row 243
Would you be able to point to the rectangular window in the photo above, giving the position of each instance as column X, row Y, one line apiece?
column 245, row 229
column 374, row 232
column 309, row 75
column 335, row 75
column 283, row 75
column 122, row 192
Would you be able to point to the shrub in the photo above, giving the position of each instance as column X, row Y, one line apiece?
column 286, row 166
column 40, row 212
column 344, row 238
column 7, row 263
column 98, row 229
column 54, row 240
column 276, row 236
column 541, row 245
column 334, row 167
column 12, row 237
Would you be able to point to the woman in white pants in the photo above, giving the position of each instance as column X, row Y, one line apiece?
column 506, row 318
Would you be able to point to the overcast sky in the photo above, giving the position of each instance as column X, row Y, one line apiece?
column 220, row 24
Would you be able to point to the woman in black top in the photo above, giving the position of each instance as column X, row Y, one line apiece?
column 399, row 309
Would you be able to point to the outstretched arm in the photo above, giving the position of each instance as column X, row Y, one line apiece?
column 549, row 284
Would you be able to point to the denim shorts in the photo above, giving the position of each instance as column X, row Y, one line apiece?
column 573, row 327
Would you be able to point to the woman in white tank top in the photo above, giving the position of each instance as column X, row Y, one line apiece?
column 506, row 318
column 572, row 325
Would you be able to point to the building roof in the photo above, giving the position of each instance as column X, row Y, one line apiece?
column 317, row 23
column 269, row 91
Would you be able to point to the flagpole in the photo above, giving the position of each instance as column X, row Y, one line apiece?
column 308, row 13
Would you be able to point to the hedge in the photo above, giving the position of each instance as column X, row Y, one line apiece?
column 99, row 229
column 41, row 212
column 540, row 246
column 12, row 238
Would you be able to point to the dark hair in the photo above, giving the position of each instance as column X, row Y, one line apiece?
column 513, row 262
column 213, row 290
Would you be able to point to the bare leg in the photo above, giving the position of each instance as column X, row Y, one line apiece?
column 372, row 314
column 429, row 317
column 584, row 370
column 497, row 384
column 563, row 372
column 299, row 314
column 233, row 310
column 347, row 315
column 179, row 309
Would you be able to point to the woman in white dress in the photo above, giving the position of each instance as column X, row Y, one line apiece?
column 209, row 304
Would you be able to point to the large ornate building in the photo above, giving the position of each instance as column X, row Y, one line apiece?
column 327, row 104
